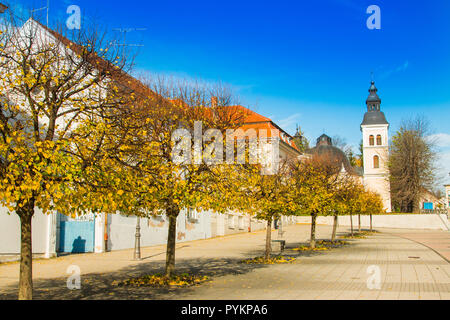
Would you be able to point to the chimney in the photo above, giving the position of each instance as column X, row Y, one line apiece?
column 214, row 102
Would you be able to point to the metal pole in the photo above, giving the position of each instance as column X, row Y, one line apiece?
column 280, row 228
column 137, row 244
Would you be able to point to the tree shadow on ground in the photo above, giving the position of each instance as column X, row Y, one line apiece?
column 291, row 246
column 96, row 286
column 100, row 286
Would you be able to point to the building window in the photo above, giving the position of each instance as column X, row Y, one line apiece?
column 231, row 221
column 371, row 140
column 379, row 140
column 376, row 162
column 241, row 223
column 192, row 215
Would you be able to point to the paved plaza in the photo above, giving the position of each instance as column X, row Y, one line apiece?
column 412, row 264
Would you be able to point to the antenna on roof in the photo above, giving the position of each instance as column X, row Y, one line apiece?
column 47, row 8
column 371, row 75
column 125, row 31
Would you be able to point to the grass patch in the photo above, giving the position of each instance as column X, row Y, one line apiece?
column 271, row 260
column 332, row 244
column 322, row 245
column 359, row 235
column 308, row 248
column 161, row 281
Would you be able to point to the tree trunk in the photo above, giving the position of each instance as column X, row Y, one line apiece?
column 312, row 242
column 333, row 235
column 370, row 222
column 268, row 239
column 351, row 224
column 359, row 223
column 171, row 242
column 26, row 255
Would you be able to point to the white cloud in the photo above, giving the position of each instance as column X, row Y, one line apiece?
column 442, row 139
column 400, row 68
column 288, row 124
column 179, row 77
column 444, row 167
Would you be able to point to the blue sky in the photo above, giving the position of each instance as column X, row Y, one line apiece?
column 305, row 62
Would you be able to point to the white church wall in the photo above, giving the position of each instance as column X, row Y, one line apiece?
column 376, row 179
column 381, row 186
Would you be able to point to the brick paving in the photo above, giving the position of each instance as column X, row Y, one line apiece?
column 436, row 240
column 407, row 269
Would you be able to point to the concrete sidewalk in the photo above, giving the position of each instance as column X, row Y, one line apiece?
column 408, row 270
column 436, row 240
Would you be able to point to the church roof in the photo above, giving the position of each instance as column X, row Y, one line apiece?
column 374, row 117
column 373, row 96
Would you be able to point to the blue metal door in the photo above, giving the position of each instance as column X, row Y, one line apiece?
column 76, row 236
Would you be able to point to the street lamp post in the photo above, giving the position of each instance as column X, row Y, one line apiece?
column 137, row 244
column 280, row 228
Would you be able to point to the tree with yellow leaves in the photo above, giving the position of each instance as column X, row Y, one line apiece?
column 54, row 92
column 369, row 203
column 173, row 152
column 347, row 192
column 266, row 196
column 314, row 188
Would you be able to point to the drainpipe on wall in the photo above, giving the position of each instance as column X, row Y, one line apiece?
column 50, row 246
column 106, row 233
column 99, row 233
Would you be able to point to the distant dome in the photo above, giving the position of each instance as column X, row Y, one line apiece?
column 325, row 147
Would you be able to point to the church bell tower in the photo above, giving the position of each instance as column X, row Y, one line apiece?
column 375, row 129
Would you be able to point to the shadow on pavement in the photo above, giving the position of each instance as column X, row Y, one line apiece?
column 100, row 286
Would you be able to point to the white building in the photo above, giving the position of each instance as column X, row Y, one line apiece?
column 57, row 233
column 375, row 132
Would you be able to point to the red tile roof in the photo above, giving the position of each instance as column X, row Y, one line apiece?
column 258, row 122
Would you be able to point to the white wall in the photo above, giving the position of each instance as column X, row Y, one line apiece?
column 122, row 229
column 401, row 221
column 10, row 232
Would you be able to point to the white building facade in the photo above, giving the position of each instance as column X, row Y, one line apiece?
column 375, row 133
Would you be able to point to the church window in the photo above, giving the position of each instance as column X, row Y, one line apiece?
column 371, row 140
column 379, row 140
column 376, row 162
